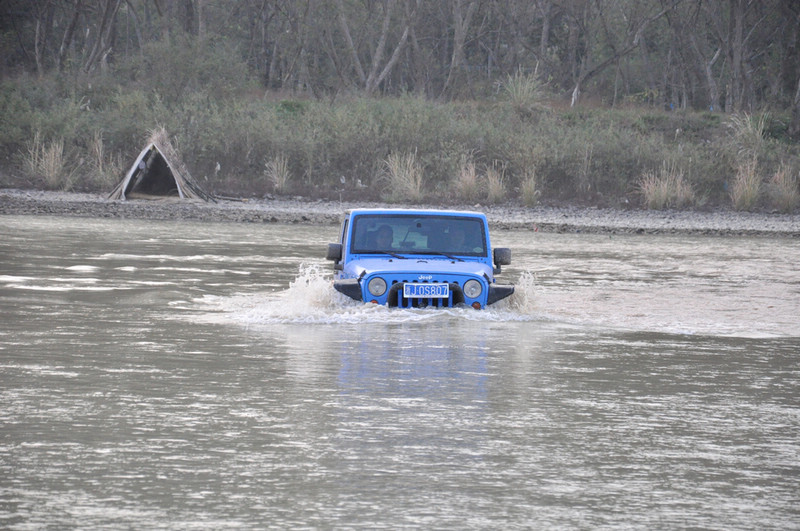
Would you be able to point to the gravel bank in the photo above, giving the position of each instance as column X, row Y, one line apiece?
column 544, row 219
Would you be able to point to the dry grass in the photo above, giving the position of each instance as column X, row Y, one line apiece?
column 524, row 91
column 748, row 134
column 277, row 172
column 105, row 169
column 47, row 161
column 495, row 183
column 160, row 137
column 784, row 192
column 746, row 188
column 529, row 188
column 467, row 186
column 585, row 171
column 667, row 188
column 404, row 177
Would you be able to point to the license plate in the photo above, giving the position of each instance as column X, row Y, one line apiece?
column 426, row 291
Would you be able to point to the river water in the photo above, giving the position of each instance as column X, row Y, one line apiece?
column 201, row 375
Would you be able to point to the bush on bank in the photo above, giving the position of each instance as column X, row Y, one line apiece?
column 230, row 135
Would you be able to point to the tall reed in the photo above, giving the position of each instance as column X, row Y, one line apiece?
column 667, row 188
column 524, row 91
column 748, row 134
column 746, row 188
column 529, row 188
column 404, row 176
column 495, row 183
column 277, row 172
column 105, row 168
column 46, row 160
column 784, row 192
column 466, row 186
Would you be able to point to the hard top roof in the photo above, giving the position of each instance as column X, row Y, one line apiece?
column 415, row 211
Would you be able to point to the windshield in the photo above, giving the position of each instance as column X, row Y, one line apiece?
column 415, row 234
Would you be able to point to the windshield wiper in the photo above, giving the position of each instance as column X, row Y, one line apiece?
column 450, row 256
column 390, row 253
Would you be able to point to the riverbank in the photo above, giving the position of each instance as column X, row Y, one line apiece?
column 301, row 210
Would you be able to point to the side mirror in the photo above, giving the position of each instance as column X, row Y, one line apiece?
column 334, row 252
column 502, row 256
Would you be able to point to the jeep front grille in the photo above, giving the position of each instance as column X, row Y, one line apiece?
column 395, row 297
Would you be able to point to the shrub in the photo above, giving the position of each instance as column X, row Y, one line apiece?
column 184, row 64
column 746, row 189
column 524, row 91
column 16, row 115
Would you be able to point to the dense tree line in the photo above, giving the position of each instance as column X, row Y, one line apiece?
column 726, row 55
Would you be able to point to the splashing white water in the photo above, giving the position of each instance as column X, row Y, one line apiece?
column 311, row 298
column 522, row 300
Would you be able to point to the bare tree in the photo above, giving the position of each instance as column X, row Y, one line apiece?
column 461, row 22
column 69, row 33
column 102, row 42
column 378, row 70
column 631, row 41
column 794, row 126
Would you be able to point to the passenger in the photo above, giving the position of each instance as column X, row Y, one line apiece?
column 456, row 243
column 384, row 238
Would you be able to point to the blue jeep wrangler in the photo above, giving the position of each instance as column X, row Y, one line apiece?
column 418, row 258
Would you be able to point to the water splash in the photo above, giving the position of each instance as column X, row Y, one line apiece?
column 522, row 300
column 310, row 298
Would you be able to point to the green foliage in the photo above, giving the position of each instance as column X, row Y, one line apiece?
column 16, row 115
column 463, row 151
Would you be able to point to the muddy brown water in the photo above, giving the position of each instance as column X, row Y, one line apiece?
column 205, row 375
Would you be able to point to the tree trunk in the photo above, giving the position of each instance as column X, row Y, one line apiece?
column 544, row 40
column 417, row 63
column 735, row 54
column 102, row 46
column 617, row 55
column 44, row 25
column 794, row 126
column 66, row 41
column 460, row 26
column 707, row 69
column 362, row 77
column 372, row 80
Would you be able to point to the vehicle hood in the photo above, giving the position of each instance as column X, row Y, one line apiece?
column 420, row 265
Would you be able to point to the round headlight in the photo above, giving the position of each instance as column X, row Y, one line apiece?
column 472, row 289
column 377, row 286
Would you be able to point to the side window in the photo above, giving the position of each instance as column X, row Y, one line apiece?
column 344, row 230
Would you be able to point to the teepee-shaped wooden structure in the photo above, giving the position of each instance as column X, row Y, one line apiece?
column 157, row 173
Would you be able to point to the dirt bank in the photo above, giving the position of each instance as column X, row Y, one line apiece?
column 299, row 210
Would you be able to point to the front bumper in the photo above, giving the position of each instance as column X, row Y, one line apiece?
column 394, row 295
